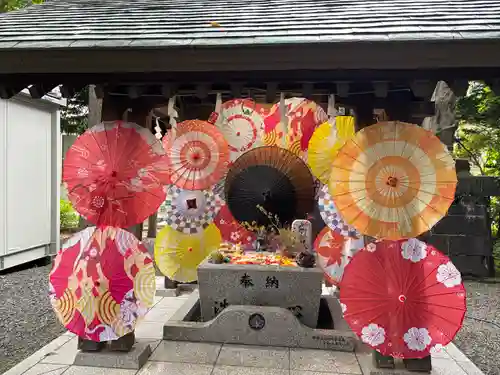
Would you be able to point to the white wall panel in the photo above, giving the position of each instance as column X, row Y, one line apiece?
column 28, row 154
column 3, row 176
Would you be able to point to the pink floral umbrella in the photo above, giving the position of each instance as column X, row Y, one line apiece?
column 102, row 283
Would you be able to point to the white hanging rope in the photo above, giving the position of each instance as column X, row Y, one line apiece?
column 157, row 128
column 332, row 112
column 218, row 103
column 283, row 117
column 172, row 114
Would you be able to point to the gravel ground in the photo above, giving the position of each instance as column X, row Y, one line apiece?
column 28, row 323
column 27, row 320
column 480, row 340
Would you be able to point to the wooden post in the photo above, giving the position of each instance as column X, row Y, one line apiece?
column 112, row 109
column 93, row 118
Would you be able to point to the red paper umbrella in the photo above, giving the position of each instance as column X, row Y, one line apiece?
column 303, row 117
column 242, row 123
column 403, row 298
column 115, row 173
column 231, row 230
column 198, row 154
column 334, row 252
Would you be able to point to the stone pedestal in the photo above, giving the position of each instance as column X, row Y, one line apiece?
column 294, row 288
column 134, row 359
column 258, row 325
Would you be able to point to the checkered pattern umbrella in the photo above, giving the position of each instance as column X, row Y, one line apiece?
column 191, row 211
column 331, row 216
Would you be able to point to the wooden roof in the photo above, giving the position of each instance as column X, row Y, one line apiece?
column 174, row 23
column 248, row 42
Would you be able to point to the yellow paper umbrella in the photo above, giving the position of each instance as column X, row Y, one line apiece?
column 325, row 143
column 393, row 180
column 178, row 255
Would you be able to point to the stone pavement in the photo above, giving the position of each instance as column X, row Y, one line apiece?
column 185, row 358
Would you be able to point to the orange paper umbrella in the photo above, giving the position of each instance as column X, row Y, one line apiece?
column 198, row 154
column 393, row 180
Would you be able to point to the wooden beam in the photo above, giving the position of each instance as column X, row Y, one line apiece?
column 8, row 91
column 271, row 91
column 381, row 88
column 342, row 89
column 422, row 54
column 423, row 88
column 38, row 90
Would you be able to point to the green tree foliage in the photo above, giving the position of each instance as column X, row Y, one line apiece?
column 68, row 216
column 9, row 5
column 74, row 116
column 478, row 139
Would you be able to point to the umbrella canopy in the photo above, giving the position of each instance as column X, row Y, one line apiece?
column 114, row 174
column 332, row 217
column 242, row 123
column 334, row 252
column 231, row 230
column 303, row 116
column 393, row 180
column 198, row 154
column 191, row 211
column 403, row 298
column 325, row 143
column 102, row 282
column 178, row 255
column 273, row 178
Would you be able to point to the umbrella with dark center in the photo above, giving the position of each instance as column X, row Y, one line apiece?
column 273, row 178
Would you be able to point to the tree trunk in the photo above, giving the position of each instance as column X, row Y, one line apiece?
column 152, row 221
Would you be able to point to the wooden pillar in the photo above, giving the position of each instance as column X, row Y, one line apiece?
column 93, row 118
column 140, row 113
column 113, row 108
column 398, row 106
column 363, row 106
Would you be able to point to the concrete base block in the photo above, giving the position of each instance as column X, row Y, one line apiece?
column 367, row 363
column 134, row 359
column 168, row 292
column 253, row 325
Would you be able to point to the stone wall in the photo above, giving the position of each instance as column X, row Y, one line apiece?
column 465, row 235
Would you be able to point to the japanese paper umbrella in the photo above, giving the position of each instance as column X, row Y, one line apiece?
column 272, row 178
column 334, row 252
column 332, row 217
column 191, row 211
column 242, row 123
column 115, row 173
column 178, row 255
column 101, row 284
column 198, row 154
column 325, row 144
column 403, row 298
column 231, row 230
column 302, row 116
column 393, row 180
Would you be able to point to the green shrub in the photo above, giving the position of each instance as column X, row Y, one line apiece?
column 68, row 215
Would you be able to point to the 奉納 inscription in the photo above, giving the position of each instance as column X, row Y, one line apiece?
column 246, row 281
column 272, row 282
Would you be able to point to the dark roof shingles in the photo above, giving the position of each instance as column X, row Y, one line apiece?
column 146, row 23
